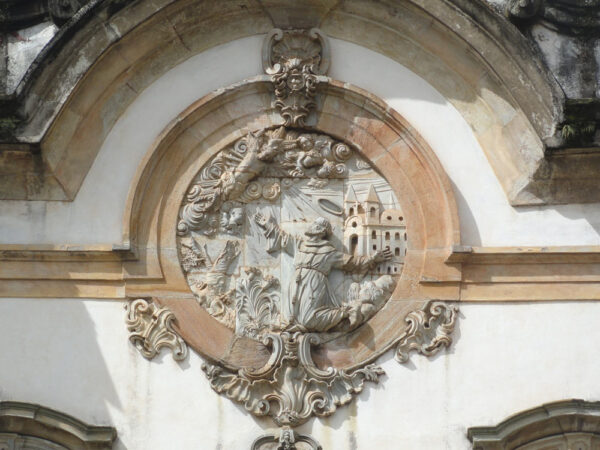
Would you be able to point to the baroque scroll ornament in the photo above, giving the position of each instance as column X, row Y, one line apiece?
column 151, row 329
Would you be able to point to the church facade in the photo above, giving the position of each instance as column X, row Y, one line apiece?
column 266, row 224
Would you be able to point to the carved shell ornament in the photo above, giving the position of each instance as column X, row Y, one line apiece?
column 290, row 237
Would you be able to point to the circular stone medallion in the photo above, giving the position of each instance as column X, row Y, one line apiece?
column 290, row 231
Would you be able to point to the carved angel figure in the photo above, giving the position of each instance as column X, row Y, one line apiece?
column 212, row 293
column 312, row 305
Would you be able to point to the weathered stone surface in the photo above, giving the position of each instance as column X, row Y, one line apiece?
column 382, row 27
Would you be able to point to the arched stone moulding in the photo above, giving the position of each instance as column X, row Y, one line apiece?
column 344, row 112
column 563, row 424
column 498, row 85
column 26, row 419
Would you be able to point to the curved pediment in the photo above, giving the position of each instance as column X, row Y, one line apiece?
column 114, row 52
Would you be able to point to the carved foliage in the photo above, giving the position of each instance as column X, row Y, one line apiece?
column 256, row 303
column 294, row 58
column 290, row 388
column 151, row 329
column 429, row 330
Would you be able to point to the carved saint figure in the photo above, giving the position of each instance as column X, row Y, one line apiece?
column 312, row 304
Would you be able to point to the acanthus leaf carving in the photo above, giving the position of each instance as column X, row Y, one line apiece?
column 429, row 330
column 256, row 302
column 291, row 388
column 151, row 329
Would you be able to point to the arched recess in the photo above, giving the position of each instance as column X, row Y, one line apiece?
column 475, row 58
column 344, row 112
column 567, row 424
column 46, row 428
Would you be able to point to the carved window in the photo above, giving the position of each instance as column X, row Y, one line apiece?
column 397, row 252
column 397, row 236
column 372, row 212
column 564, row 425
column 24, row 426
column 374, row 235
column 353, row 243
column 351, row 212
column 387, row 235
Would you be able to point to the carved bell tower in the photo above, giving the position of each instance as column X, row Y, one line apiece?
column 372, row 207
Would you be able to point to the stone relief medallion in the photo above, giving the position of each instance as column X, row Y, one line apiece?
column 294, row 242
column 291, row 231
column 287, row 237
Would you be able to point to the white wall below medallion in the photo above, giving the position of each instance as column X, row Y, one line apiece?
column 74, row 356
column 95, row 217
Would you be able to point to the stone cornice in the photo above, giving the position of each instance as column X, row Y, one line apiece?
column 492, row 274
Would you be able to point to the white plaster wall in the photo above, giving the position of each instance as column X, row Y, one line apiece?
column 74, row 356
column 95, row 217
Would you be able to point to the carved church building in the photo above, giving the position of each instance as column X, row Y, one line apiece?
column 370, row 226
column 300, row 224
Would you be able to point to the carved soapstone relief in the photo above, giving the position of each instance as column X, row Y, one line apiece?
column 291, row 231
column 289, row 237
column 284, row 236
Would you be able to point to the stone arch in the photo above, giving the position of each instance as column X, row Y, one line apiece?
column 485, row 68
column 44, row 426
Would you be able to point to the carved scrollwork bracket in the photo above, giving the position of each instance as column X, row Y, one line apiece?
column 294, row 59
column 290, row 387
column 429, row 330
column 151, row 329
